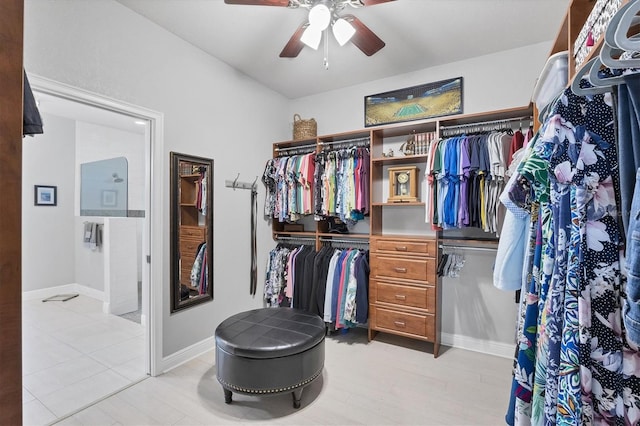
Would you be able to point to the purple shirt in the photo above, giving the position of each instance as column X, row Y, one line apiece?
column 464, row 168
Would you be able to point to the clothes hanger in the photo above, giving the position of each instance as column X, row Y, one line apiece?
column 607, row 82
column 621, row 22
column 614, row 23
column 607, row 58
column 610, row 43
column 575, row 84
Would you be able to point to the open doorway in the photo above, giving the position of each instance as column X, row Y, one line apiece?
column 93, row 337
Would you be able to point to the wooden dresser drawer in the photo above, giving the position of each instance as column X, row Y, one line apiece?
column 399, row 246
column 192, row 233
column 403, row 322
column 185, row 275
column 420, row 269
column 189, row 248
column 404, row 295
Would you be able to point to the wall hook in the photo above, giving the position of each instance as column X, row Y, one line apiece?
column 241, row 185
column 235, row 182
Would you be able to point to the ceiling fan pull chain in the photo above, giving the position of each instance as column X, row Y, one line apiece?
column 326, row 50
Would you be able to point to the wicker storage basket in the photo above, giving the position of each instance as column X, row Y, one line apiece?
column 304, row 129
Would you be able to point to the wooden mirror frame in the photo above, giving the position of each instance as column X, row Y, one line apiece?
column 188, row 227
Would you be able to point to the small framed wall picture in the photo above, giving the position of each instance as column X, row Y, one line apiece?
column 45, row 195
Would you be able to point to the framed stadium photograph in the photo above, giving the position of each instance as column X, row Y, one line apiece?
column 429, row 100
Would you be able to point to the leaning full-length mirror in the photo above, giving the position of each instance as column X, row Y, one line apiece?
column 191, row 230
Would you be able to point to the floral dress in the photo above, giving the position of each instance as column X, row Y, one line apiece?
column 584, row 370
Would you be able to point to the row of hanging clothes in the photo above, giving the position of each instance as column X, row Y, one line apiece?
column 341, row 185
column 201, row 191
column 450, row 263
column 200, row 194
column 572, row 220
column 289, row 181
column 331, row 183
column 332, row 283
column 466, row 173
column 199, row 271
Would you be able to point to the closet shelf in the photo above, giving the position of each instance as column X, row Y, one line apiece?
column 412, row 203
column 472, row 242
column 401, row 160
column 188, row 205
column 413, row 236
column 577, row 13
column 191, row 176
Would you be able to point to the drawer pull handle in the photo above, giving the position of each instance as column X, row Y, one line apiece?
column 399, row 323
column 401, row 248
column 403, row 270
column 401, row 297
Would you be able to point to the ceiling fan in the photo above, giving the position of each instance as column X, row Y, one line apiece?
column 322, row 14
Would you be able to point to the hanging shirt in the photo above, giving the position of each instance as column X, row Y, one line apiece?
column 464, row 167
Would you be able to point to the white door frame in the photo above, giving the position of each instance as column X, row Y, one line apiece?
column 153, row 234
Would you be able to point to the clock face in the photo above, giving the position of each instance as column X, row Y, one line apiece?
column 403, row 177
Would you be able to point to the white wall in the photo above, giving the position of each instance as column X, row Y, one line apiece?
column 48, row 231
column 497, row 81
column 206, row 113
column 474, row 310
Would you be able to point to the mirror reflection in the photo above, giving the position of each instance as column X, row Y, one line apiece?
column 191, row 230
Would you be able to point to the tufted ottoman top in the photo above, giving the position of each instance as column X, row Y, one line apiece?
column 269, row 333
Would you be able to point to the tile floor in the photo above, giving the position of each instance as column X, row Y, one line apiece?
column 389, row 381
column 73, row 355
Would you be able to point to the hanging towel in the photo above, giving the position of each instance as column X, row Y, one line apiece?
column 92, row 235
column 87, row 231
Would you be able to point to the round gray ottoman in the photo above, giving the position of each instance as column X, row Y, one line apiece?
column 269, row 351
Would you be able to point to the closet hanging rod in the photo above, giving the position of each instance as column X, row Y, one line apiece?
column 487, row 123
column 446, row 246
column 345, row 240
column 356, row 142
column 309, row 147
column 301, row 237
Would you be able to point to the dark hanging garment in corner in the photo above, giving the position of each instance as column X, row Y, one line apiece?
column 31, row 120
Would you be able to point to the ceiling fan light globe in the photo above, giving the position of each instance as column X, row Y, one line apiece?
column 320, row 17
column 343, row 31
column 311, row 37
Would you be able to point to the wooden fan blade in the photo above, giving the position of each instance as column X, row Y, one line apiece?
column 374, row 2
column 281, row 3
column 294, row 46
column 364, row 39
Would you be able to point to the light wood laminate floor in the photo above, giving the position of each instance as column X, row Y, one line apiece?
column 389, row 381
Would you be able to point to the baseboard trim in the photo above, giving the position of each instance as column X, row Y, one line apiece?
column 43, row 293
column 187, row 354
column 504, row 350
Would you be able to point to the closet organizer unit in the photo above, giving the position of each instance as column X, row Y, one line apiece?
column 192, row 233
column 403, row 284
column 404, row 289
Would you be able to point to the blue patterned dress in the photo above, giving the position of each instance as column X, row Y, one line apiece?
column 584, row 371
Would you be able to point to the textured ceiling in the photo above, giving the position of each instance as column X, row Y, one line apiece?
column 418, row 34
